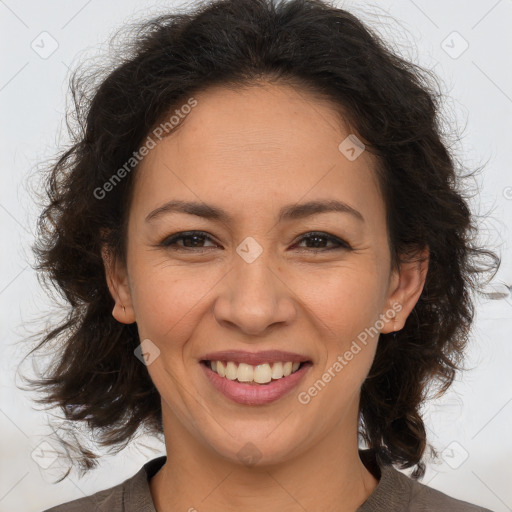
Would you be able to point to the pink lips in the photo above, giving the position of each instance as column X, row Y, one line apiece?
column 255, row 394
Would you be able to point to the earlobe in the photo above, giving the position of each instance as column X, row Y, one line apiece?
column 117, row 282
column 405, row 290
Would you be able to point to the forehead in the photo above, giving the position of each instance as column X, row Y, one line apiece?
column 255, row 146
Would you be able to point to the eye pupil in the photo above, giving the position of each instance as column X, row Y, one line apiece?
column 315, row 240
column 189, row 237
column 319, row 241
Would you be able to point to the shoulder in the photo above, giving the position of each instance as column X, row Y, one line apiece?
column 109, row 499
column 132, row 495
column 421, row 498
column 397, row 492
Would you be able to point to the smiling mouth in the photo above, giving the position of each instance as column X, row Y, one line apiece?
column 259, row 374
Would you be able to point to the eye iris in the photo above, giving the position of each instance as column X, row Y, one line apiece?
column 196, row 240
column 314, row 240
column 189, row 237
column 318, row 241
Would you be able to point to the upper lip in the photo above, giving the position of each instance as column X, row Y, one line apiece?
column 254, row 358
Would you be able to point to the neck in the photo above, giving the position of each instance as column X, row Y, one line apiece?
column 329, row 476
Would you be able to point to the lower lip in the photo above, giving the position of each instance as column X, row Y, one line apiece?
column 255, row 394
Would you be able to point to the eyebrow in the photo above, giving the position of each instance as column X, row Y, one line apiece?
column 289, row 212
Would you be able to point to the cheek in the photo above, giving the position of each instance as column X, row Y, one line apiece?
column 347, row 299
column 168, row 298
column 348, row 304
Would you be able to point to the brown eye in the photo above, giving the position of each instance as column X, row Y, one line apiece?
column 317, row 241
column 191, row 240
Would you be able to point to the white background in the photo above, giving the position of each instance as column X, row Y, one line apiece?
column 470, row 425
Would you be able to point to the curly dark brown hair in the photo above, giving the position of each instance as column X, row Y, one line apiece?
column 394, row 107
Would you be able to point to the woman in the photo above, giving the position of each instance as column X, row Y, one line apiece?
column 262, row 237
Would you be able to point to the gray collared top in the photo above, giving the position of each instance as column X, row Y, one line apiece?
column 395, row 492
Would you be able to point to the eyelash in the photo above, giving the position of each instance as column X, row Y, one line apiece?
column 170, row 241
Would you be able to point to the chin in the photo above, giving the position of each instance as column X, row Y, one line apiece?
column 256, row 448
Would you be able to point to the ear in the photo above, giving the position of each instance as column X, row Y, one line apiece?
column 406, row 285
column 117, row 281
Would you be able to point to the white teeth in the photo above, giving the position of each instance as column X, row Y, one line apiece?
column 231, row 370
column 245, row 373
column 277, row 370
column 261, row 373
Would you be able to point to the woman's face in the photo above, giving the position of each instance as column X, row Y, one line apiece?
column 253, row 281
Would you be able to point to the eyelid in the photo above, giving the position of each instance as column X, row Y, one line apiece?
column 166, row 242
column 340, row 243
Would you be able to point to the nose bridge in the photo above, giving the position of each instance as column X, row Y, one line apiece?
column 252, row 273
column 254, row 296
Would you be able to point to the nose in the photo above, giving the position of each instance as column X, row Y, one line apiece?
column 254, row 298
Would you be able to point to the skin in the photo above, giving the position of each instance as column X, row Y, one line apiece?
column 251, row 151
